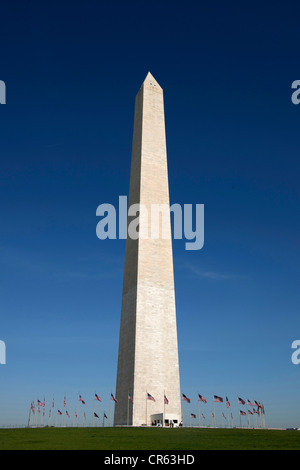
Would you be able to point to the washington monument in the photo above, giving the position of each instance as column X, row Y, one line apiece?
column 148, row 387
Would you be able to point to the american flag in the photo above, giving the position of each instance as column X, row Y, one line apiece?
column 96, row 416
column 250, row 412
column 67, row 414
column 81, row 399
column 65, row 402
column 185, row 398
column 150, row 397
column 59, row 412
column 218, row 399
column 202, row 415
column 242, row 413
column 241, row 401
column 227, row 402
column 130, row 398
column 166, row 401
column 39, row 403
column 201, row 398
column 97, row 397
column 224, row 416
column 250, row 403
column 193, row 415
column 113, row 398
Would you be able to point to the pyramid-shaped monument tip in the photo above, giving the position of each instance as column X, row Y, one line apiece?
column 150, row 80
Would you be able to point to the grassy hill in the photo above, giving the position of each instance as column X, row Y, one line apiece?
column 147, row 439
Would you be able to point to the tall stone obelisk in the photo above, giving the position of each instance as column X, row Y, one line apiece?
column 148, row 350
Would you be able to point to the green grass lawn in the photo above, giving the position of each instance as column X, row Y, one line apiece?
column 146, row 439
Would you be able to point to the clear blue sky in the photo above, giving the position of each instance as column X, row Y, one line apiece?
column 72, row 71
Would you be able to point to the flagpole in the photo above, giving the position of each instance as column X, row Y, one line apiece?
column 77, row 409
column 263, row 415
column 247, row 416
column 128, row 408
column 29, row 414
column 42, row 417
column 64, row 410
column 94, row 409
column 146, row 407
column 164, row 409
column 43, row 414
column 110, row 409
column 239, row 412
column 52, row 409
column 214, row 413
column 36, row 416
column 227, row 401
column 35, row 413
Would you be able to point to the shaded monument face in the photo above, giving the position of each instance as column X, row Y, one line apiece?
column 148, row 351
